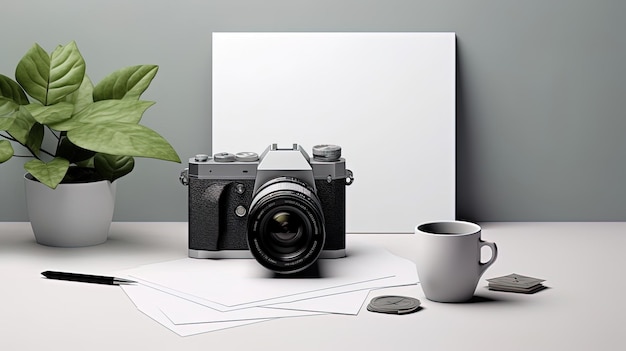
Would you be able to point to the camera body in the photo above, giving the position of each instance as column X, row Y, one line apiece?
column 282, row 208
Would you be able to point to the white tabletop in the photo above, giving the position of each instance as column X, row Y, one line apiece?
column 582, row 309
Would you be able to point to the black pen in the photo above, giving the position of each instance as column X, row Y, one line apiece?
column 86, row 278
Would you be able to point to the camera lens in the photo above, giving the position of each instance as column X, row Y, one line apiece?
column 286, row 225
column 285, row 233
column 285, row 229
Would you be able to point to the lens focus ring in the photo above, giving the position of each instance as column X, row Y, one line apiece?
column 286, row 225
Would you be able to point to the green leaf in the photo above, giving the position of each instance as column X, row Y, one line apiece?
column 112, row 167
column 49, row 79
column 35, row 138
column 6, row 122
column 19, row 125
column 71, row 152
column 124, row 139
column 51, row 173
column 126, row 83
column 88, row 163
column 50, row 114
column 124, row 111
column 82, row 97
column 7, row 106
column 6, row 151
column 32, row 73
column 11, row 90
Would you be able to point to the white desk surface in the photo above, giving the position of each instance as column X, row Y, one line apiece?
column 583, row 309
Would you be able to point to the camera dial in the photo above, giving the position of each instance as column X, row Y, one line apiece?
column 327, row 152
column 202, row 157
column 247, row 156
column 224, row 157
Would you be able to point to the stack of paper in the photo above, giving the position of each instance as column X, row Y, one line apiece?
column 191, row 296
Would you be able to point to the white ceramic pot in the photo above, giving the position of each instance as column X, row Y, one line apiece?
column 72, row 215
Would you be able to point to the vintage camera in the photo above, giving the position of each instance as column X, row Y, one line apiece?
column 283, row 208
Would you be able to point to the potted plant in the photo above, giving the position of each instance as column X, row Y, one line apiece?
column 80, row 136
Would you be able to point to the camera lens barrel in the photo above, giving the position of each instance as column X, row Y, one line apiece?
column 286, row 225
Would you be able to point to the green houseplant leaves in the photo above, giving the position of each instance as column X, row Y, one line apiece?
column 50, row 78
column 6, row 150
column 50, row 173
column 123, row 139
column 96, row 128
column 12, row 91
column 126, row 83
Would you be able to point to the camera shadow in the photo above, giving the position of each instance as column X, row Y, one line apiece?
column 313, row 271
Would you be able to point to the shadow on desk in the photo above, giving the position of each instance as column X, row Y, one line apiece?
column 499, row 299
column 478, row 299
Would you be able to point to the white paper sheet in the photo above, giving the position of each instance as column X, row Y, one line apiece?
column 242, row 283
column 184, row 311
column 387, row 98
column 342, row 303
column 184, row 295
column 148, row 301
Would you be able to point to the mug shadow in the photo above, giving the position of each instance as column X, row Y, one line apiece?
column 480, row 299
column 483, row 299
column 500, row 297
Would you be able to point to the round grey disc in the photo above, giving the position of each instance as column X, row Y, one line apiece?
column 327, row 152
column 202, row 157
column 393, row 304
column 247, row 156
column 224, row 157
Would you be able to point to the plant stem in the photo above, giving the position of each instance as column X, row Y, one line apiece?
column 47, row 153
column 53, row 133
column 59, row 137
column 7, row 137
column 32, row 152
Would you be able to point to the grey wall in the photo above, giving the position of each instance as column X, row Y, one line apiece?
column 541, row 108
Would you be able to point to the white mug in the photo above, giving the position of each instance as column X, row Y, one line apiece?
column 448, row 259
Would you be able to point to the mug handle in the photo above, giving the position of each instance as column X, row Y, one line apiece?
column 494, row 255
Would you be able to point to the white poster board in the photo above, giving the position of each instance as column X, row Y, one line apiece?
column 388, row 99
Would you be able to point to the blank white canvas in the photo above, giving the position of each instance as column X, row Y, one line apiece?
column 388, row 99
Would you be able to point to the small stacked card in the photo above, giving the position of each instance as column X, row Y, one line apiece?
column 516, row 283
